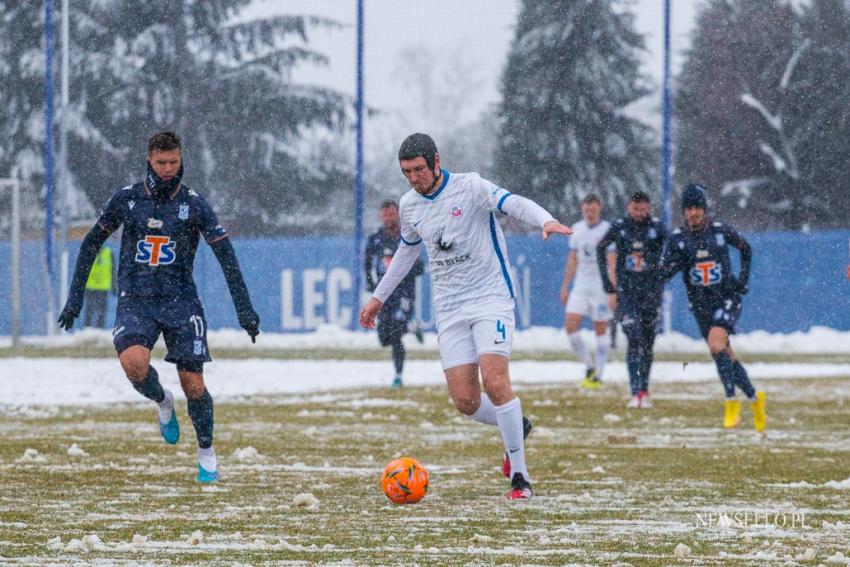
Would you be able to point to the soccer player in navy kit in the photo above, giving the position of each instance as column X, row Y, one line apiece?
column 639, row 241
column 700, row 250
column 397, row 310
column 163, row 221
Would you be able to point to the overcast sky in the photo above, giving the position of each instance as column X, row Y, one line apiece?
column 481, row 30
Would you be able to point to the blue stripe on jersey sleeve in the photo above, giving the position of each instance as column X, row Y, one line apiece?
column 410, row 243
column 499, row 255
column 502, row 200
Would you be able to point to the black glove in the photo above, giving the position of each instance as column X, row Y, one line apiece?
column 741, row 287
column 69, row 313
column 250, row 321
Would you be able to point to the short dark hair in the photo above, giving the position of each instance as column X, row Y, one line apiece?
column 389, row 203
column 591, row 198
column 164, row 142
column 639, row 197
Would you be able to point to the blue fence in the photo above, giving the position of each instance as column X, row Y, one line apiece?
column 798, row 281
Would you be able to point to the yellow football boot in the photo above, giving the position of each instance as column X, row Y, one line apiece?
column 732, row 417
column 591, row 380
column 760, row 412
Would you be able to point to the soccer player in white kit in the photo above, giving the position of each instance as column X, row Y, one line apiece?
column 454, row 216
column 587, row 298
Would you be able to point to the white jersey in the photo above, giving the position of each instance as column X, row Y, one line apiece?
column 584, row 240
column 468, row 258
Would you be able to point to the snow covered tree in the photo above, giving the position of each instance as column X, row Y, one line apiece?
column 21, row 74
column 572, row 71
column 223, row 83
column 760, row 108
column 822, row 89
column 736, row 61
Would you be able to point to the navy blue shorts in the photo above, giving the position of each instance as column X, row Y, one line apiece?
column 638, row 313
column 723, row 315
column 392, row 320
column 182, row 324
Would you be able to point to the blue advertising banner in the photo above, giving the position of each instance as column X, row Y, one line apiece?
column 297, row 284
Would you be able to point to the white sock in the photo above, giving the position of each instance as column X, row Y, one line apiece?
column 509, row 417
column 601, row 354
column 486, row 412
column 206, row 458
column 166, row 407
column 579, row 348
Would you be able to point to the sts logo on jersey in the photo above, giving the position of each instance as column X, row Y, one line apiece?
column 706, row 273
column 634, row 262
column 155, row 250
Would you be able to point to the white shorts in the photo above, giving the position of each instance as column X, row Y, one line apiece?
column 474, row 330
column 590, row 304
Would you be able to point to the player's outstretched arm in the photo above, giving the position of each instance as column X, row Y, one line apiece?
column 528, row 211
column 89, row 250
column 248, row 318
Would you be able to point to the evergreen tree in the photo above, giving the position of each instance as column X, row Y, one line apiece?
column 21, row 74
column 572, row 70
column 737, row 112
column 822, row 90
column 223, row 84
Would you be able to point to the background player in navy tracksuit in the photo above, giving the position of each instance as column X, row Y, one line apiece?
column 163, row 221
column 700, row 250
column 398, row 309
column 639, row 242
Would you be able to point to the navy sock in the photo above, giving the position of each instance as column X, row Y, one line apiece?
column 742, row 380
column 398, row 356
column 726, row 370
column 150, row 386
column 634, row 364
column 646, row 366
column 201, row 414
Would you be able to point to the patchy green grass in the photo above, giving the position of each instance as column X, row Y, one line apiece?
column 95, row 350
column 612, row 485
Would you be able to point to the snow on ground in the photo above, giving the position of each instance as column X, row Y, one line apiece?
column 817, row 340
column 67, row 381
column 75, row 381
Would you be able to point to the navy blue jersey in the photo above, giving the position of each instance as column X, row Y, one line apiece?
column 159, row 240
column 379, row 251
column 639, row 247
column 703, row 258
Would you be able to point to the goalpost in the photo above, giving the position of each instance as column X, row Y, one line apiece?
column 13, row 187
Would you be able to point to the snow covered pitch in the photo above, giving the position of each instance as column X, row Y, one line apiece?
column 86, row 479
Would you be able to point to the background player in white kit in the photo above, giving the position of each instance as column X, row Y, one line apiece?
column 454, row 215
column 587, row 298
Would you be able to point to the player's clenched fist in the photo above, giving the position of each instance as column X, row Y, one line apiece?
column 370, row 313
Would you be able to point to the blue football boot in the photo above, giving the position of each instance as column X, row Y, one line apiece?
column 205, row 476
column 171, row 429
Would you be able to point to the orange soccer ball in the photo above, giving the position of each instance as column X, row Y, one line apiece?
column 405, row 480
